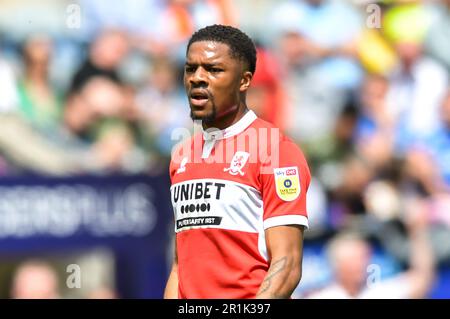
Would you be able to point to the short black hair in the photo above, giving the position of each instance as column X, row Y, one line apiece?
column 240, row 44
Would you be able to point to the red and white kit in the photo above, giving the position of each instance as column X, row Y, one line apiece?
column 227, row 188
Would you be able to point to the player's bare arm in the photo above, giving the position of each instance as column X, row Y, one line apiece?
column 285, row 248
column 171, row 291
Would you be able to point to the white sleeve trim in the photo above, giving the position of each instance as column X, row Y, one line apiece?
column 286, row 220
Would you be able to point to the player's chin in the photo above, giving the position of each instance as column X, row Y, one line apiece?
column 200, row 114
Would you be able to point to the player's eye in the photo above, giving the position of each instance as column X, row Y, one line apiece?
column 215, row 70
column 189, row 69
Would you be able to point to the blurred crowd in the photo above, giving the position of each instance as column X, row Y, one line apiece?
column 96, row 87
column 56, row 277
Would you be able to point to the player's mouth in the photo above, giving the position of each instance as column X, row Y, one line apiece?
column 198, row 98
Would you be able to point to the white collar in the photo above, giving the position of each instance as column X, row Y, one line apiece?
column 236, row 128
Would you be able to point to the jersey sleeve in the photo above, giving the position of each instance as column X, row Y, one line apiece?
column 172, row 170
column 178, row 154
column 284, row 183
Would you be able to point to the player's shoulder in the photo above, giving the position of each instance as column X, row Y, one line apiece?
column 278, row 151
column 260, row 123
column 275, row 136
column 185, row 145
column 183, row 151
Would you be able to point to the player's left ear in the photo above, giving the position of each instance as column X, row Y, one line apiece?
column 246, row 80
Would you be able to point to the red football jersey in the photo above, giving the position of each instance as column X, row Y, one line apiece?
column 228, row 187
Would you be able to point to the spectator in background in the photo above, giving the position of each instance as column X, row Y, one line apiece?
column 186, row 16
column 427, row 159
column 375, row 115
column 339, row 144
column 180, row 18
column 39, row 103
column 266, row 96
column 103, row 293
column 116, row 149
column 96, row 116
column 94, row 139
column 328, row 152
column 436, row 42
column 105, row 56
column 319, row 25
column 375, row 129
column 350, row 256
column 171, row 21
column 373, row 51
column 439, row 144
column 418, row 84
column 132, row 17
column 161, row 107
column 310, row 35
column 35, row 279
column 100, row 97
column 8, row 99
column 8, row 92
column 347, row 207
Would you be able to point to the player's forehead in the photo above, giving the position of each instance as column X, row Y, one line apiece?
column 208, row 52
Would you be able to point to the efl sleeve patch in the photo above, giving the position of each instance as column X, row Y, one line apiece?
column 287, row 183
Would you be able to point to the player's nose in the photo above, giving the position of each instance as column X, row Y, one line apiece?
column 198, row 77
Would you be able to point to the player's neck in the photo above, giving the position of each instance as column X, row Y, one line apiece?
column 228, row 118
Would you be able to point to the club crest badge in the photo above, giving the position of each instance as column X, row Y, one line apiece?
column 237, row 163
column 287, row 183
column 182, row 167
